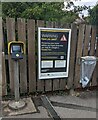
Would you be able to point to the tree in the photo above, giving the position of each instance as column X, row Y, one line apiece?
column 93, row 15
column 0, row 9
column 48, row 11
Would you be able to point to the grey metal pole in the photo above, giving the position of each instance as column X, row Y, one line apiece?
column 16, row 80
column 17, row 103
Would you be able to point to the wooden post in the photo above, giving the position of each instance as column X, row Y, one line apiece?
column 63, row 81
column 1, row 40
column 4, row 81
column 31, row 55
column 92, row 52
column 72, row 57
column 23, row 63
column 56, row 82
column 10, row 24
column 78, row 55
column 48, row 83
column 86, row 40
column 40, row 83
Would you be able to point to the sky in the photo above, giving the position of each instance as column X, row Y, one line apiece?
column 86, row 2
column 91, row 3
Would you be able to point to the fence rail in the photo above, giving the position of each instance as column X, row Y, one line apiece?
column 83, row 42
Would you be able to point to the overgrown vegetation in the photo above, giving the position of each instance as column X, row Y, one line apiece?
column 93, row 18
column 39, row 11
column 48, row 11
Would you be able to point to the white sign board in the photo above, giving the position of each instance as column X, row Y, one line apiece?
column 53, row 52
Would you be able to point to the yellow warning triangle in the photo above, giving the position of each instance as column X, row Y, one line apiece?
column 63, row 38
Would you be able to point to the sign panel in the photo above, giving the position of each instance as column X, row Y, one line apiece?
column 53, row 52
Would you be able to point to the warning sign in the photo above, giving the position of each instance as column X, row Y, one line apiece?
column 53, row 52
column 63, row 38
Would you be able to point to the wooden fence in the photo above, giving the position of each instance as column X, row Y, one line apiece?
column 83, row 42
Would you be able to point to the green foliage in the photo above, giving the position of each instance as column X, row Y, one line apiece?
column 0, row 9
column 49, row 11
column 93, row 18
column 70, row 17
column 13, row 9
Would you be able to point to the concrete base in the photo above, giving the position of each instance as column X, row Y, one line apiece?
column 29, row 108
column 17, row 105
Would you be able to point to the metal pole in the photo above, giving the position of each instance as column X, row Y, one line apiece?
column 16, row 80
column 17, row 103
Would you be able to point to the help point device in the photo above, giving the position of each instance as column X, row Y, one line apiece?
column 16, row 49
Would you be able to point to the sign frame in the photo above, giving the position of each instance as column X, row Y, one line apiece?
column 52, row 75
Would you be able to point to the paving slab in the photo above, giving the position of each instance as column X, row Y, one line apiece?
column 41, row 114
column 86, row 99
column 30, row 108
column 73, row 113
